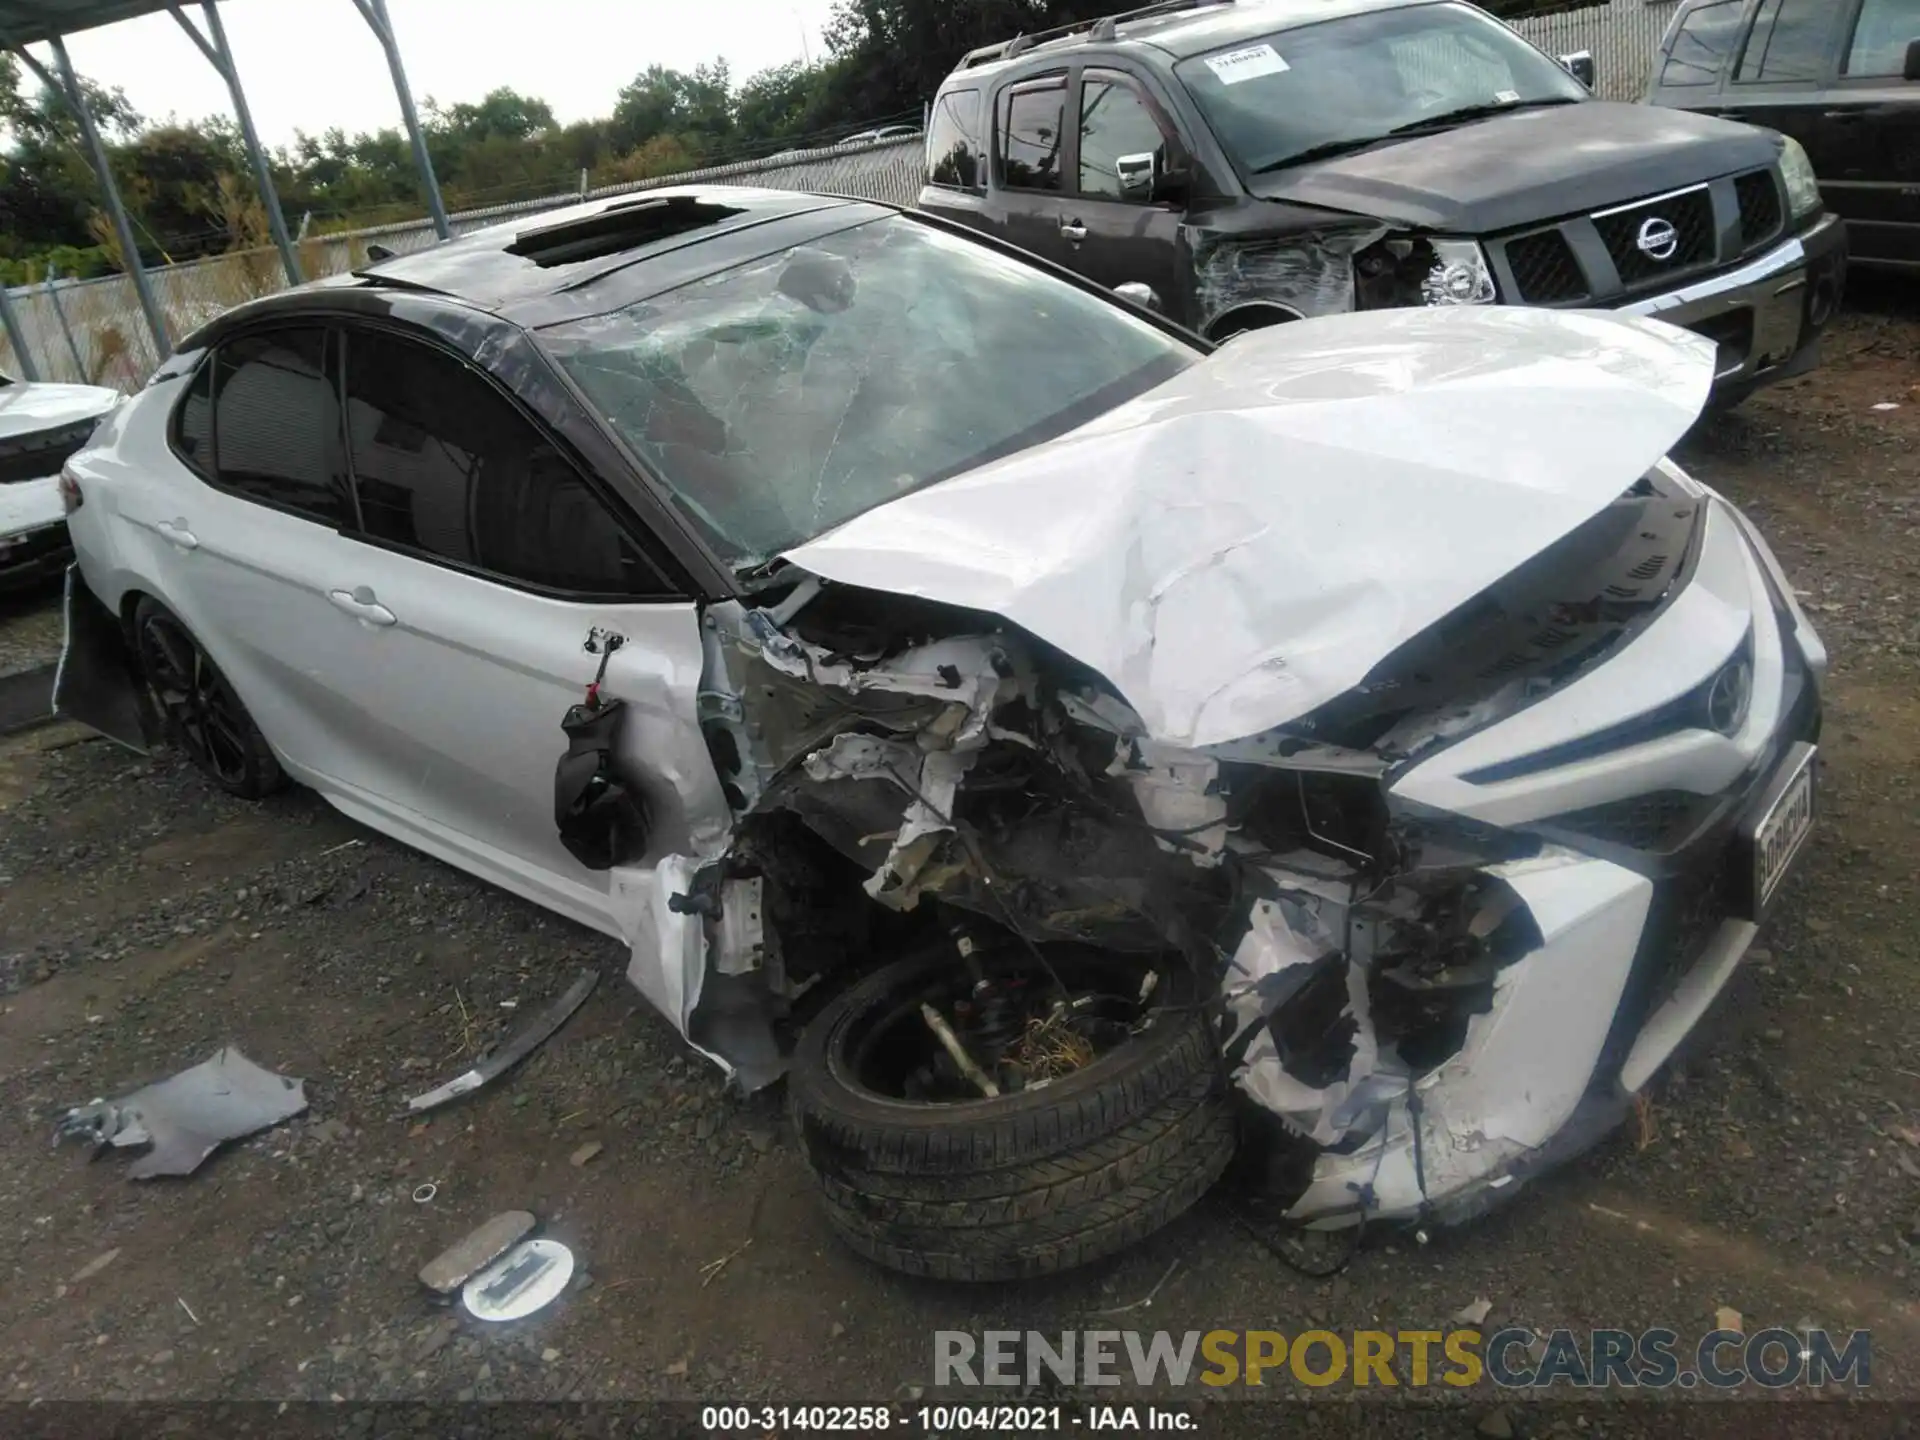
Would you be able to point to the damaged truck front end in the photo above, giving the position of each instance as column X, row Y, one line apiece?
column 1428, row 885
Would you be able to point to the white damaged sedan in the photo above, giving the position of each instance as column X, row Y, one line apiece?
column 1066, row 752
column 40, row 426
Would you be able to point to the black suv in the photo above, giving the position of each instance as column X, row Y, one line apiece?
column 1840, row 76
column 1239, row 165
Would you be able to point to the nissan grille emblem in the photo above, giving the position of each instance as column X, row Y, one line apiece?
column 1658, row 240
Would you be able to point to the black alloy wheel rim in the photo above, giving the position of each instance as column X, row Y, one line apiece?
column 201, row 709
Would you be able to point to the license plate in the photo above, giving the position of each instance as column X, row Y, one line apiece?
column 1783, row 826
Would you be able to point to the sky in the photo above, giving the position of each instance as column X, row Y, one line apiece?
column 313, row 64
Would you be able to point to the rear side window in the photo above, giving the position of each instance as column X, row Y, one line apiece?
column 1031, row 125
column 1881, row 37
column 1701, row 44
column 443, row 464
column 193, row 422
column 1788, row 43
column 953, row 141
column 276, row 424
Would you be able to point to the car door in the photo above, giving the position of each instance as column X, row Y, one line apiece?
column 1125, row 160
column 245, row 547
column 1867, row 148
column 1784, row 67
column 1030, row 159
column 460, row 610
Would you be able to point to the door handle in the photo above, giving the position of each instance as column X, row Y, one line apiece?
column 1844, row 117
column 1073, row 230
column 175, row 532
column 360, row 603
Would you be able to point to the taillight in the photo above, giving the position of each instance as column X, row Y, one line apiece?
column 70, row 497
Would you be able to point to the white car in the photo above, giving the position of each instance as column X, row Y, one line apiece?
column 1035, row 732
column 40, row 426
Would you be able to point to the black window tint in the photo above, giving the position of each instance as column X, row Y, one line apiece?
column 276, row 423
column 953, row 140
column 1115, row 124
column 444, row 464
column 1789, row 41
column 1702, row 43
column 1881, row 37
column 193, row 421
column 1031, row 120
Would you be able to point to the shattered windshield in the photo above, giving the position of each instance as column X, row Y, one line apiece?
column 1344, row 84
column 789, row 394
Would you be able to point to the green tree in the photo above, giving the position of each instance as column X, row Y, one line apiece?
column 659, row 101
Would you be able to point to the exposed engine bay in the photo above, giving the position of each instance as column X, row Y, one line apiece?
column 898, row 767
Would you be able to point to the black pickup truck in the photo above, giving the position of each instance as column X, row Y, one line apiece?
column 1238, row 165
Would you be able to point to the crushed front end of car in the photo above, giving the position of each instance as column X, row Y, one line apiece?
column 1381, row 673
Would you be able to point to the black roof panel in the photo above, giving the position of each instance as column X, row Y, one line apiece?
column 484, row 270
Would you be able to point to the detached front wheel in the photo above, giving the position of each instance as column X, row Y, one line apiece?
column 1113, row 1117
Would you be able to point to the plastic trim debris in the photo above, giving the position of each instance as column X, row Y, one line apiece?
column 527, row 1278
column 187, row 1117
column 537, row 1031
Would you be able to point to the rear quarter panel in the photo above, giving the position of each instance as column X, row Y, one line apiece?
column 127, row 461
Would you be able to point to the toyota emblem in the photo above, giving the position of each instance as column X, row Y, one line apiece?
column 1658, row 239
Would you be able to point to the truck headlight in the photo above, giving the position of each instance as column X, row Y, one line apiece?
column 1796, row 173
column 1460, row 275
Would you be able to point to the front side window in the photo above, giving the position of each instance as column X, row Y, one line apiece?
column 1345, row 84
column 1032, row 118
column 1121, row 144
column 1788, row 43
column 1881, row 36
column 1701, row 44
column 954, row 155
column 782, row 397
column 276, row 424
column 443, row 464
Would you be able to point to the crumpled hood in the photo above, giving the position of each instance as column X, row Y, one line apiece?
column 27, row 407
column 1244, row 542
column 1532, row 165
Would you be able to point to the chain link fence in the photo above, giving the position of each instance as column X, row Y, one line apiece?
column 93, row 332
column 1624, row 36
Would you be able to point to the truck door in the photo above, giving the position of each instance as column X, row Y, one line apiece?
column 1030, row 145
column 1865, row 142
column 1122, row 227
column 1782, row 72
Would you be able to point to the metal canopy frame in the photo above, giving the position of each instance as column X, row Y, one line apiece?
column 49, row 22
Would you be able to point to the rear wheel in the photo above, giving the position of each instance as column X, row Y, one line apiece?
column 199, row 707
column 1118, row 1124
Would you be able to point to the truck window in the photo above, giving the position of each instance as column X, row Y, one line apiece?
column 1032, row 120
column 953, row 141
column 1881, row 36
column 1789, row 42
column 1116, row 125
column 1701, row 44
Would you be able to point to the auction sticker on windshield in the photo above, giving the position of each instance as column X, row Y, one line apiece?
column 1249, row 63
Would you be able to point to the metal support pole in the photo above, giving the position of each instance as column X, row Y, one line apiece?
column 220, row 55
column 375, row 14
column 24, row 356
column 69, row 86
column 60, row 314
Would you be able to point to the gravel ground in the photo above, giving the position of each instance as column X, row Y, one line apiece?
column 145, row 920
